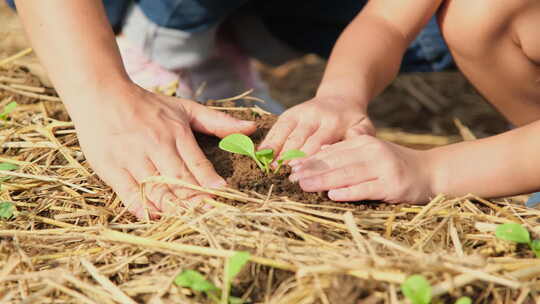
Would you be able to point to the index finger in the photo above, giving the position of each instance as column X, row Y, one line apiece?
column 201, row 168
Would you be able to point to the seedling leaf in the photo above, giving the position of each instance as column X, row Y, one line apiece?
column 194, row 280
column 265, row 156
column 417, row 289
column 235, row 300
column 6, row 210
column 238, row 143
column 236, row 263
column 464, row 300
column 292, row 154
column 535, row 247
column 8, row 167
column 289, row 155
column 513, row 232
column 7, row 110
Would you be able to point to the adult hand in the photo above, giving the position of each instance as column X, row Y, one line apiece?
column 132, row 134
column 367, row 168
column 317, row 122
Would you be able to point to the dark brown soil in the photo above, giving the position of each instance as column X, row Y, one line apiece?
column 243, row 174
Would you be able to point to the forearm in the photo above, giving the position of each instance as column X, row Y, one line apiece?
column 75, row 43
column 364, row 61
column 502, row 165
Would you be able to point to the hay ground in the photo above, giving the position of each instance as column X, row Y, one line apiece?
column 71, row 240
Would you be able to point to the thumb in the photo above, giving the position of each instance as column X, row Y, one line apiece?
column 216, row 123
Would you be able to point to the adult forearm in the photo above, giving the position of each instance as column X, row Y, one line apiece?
column 364, row 61
column 501, row 165
column 75, row 43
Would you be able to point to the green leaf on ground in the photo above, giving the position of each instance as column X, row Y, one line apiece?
column 535, row 247
column 6, row 210
column 7, row 110
column 513, row 232
column 236, row 263
column 194, row 280
column 417, row 289
column 464, row 300
column 8, row 167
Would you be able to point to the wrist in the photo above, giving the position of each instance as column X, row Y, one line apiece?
column 435, row 172
column 93, row 98
column 343, row 92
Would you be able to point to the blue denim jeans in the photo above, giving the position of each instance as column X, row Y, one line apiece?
column 310, row 26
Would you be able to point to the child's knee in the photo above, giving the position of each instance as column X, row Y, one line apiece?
column 468, row 30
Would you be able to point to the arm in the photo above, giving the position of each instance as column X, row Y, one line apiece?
column 367, row 168
column 368, row 54
column 127, row 133
column 75, row 43
column 364, row 61
column 502, row 165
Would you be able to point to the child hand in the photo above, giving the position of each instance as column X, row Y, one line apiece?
column 318, row 122
column 366, row 168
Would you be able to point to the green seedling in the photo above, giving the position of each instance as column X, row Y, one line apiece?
column 7, row 110
column 464, row 300
column 265, row 156
column 7, row 167
column 6, row 210
column 197, row 282
column 418, row 291
column 289, row 155
column 242, row 144
column 516, row 233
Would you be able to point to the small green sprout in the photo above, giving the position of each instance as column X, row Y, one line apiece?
column 7, row 110
column 196, row 281
column 265, row 156
column 8, row 167
column 289, row 155
column 516, row 233
column 6, row 210
column 417, row 289
column 464, row 300
column 242, row 144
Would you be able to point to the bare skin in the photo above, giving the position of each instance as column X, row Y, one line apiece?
column 126, row 132
column 499, row 52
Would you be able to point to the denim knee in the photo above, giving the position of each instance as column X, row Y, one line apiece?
column 189, row 15
column 116, row 11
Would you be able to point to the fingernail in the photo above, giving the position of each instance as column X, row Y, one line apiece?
column 337, row 194
column 293, row 178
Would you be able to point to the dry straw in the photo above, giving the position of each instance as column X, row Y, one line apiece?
column 72, row 241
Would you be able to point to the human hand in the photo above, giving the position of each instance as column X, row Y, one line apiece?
column 366, row 168
column 136, row 134
column 317, row 122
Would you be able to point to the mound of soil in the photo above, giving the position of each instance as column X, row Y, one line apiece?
column 242, row 173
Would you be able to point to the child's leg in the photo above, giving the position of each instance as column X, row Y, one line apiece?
column 184, row 36
column 490, row 41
